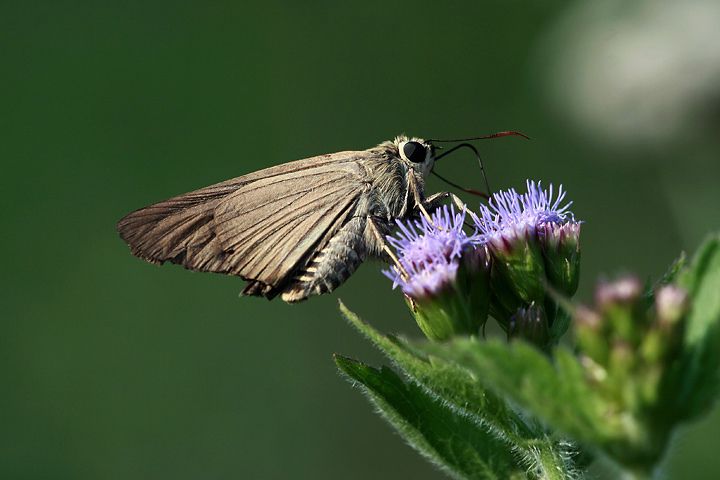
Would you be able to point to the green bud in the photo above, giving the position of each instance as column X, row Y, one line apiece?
column 459, row 304
column 620, row 303
column 560, row 244
column 473, row 280
column 591, row 338
column 518, row 274
column 664, row 335
column 530, row 324
column 443, row 315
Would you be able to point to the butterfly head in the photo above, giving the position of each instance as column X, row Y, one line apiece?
column 419, row 154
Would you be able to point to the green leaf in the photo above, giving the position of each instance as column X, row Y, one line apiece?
column 670, row 276
column 673, row 270
column 464, row 394
column 448, row 381
column 555, row 392
column 701, row 361
column 449, row 440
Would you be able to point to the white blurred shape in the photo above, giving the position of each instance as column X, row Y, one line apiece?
column 646, row 71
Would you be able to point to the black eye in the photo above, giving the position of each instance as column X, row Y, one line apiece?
column 414, row 151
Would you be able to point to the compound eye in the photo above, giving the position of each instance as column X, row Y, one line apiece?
column 415, row 152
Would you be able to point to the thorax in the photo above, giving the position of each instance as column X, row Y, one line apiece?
column 390, row 189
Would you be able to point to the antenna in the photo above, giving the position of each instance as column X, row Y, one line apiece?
column 509, row 133
column 482, row 169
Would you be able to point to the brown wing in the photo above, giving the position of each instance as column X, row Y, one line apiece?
column 261, row 226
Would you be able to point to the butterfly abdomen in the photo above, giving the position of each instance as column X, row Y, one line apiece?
column 332, row 265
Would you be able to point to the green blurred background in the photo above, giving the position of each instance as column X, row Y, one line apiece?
column 114, row 369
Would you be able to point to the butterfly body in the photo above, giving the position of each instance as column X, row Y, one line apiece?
column 295, row 230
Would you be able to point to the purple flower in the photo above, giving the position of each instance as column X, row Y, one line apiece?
column 510, row 216
column 429, row 252
column 444, row 272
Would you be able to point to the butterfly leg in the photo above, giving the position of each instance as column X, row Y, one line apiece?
column 382, row 244
column 434, row 200
column 417, row 198
column 375, row 229
column 463, row 207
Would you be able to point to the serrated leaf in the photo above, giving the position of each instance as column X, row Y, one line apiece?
column 464, row 394
column 442, row 378
column 455, row 385
column 701, row 361
column 449, row 440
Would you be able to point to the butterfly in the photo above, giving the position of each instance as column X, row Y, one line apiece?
column 297, row 229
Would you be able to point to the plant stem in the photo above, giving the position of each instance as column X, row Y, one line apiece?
column 551, row 466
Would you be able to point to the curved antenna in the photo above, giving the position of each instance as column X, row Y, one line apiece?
column 482, row 169
column 509, row 133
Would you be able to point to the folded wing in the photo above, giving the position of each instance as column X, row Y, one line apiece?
column 262, row 227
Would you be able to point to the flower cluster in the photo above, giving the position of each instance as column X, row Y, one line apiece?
column 630, row 344
column 534, row 239
column 524, row 245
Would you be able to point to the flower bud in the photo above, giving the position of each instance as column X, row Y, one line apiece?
column 560, row 245
column 474, row 281
column 531, row 325
column 671, row 304
column 519, row 268
column 622, row 292
column 444, row 314
column 665, row 334
column 621, row 304
column 590, row 336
